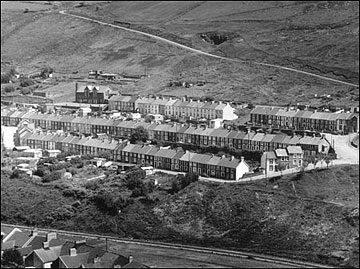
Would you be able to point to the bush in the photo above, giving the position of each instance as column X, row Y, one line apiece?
column 182, row 182
column 25, row 82
column 41, row 171
column 15, row 174
column 25, row 91
column 9, row 88
column 12, row 257
column 52, row 176
column 77, row 193
column 110, row 201
column 5, row 78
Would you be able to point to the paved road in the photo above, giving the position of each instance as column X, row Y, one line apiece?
column 346, row 153
column 206, row 53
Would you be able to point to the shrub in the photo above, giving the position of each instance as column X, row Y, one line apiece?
column 25, row 82
column 74, row 192
column 12, row 257
column 52, row 176
column 9, row 88
column 5, row 78
column 15, row 174
column 110, row 201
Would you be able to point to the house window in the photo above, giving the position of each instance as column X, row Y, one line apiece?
column 294, row 162
column 271, row 168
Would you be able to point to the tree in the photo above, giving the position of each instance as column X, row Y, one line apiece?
column 15, row 174
column 12, row 257
column 328, row 159
column 139, row 134
column 281, row 166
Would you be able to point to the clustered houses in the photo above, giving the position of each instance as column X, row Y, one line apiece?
column 92, row 94
column 280, row 117
column 176, row 133
column 50, row 251
column 161, row 158
column 173, row 107
column 291, row 157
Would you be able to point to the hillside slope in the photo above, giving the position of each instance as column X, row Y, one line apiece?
column 311, row 217
column 319, row 36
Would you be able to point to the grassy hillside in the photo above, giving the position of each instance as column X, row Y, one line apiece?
column 310, row 217
column 317, row 36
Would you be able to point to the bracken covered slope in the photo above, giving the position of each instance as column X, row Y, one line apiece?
column 313, row 217
column 316, row 36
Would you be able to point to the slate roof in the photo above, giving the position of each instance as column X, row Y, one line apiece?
column 20, row 238
column 228, row 162
column 8, row 244
column 269, row 154
column 121, row 98
column 294, row 150
column 48, row 255
column 75, row 261
column 281, row 153
column 36, row 242
column 25, row 251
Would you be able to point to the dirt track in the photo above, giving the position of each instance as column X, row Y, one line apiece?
column 209, row 54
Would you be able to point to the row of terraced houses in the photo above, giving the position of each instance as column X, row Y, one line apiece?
column 176, row 133
column 161, row 158
column 285, row 118
column 173, row 107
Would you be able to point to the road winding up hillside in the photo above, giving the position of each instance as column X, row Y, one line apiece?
column 206, row 53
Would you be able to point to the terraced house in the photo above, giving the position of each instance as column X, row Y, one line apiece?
column 173, row 107
column 161, row 158
column 179, row 133
column 279, row 117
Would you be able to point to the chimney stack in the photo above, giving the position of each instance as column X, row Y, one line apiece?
column 72, row 252
column 34, row 232
column 242, row 158
column 130, row 258
column 97, row 259
column 50, row 236
column 46, row 245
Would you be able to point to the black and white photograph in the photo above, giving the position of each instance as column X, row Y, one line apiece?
column 179, row 134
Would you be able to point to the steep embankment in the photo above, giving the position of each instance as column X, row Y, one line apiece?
column 275, row 32
column 313, row 217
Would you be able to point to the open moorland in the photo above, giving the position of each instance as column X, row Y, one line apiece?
column 315, row 36
column 302, row 217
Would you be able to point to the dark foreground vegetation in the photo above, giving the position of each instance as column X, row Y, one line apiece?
column 311, row 216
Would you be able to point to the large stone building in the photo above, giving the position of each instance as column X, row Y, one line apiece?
column 92, row 94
